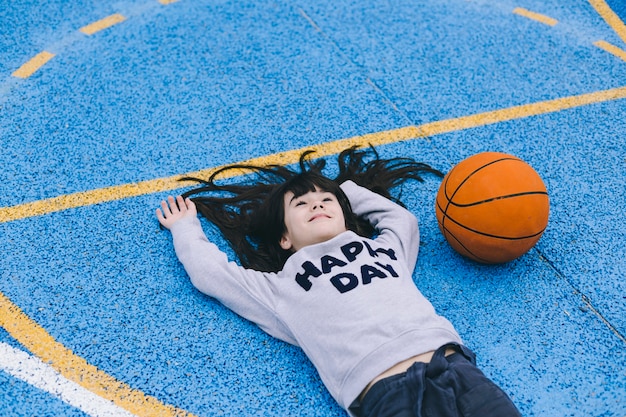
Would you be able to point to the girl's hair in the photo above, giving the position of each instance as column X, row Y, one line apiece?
column 250, row 214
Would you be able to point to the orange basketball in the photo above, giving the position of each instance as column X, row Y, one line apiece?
column 492, row 207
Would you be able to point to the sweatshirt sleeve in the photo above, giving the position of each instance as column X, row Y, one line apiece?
column 244, row 291
column 396, row 226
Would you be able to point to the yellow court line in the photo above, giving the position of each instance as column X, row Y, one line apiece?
column 610, row 17
column 33, row 65
column 535, row 16
column 41, row 344
column 118, row 192
column 166, row 2
column 612, row 49
column 102, row 24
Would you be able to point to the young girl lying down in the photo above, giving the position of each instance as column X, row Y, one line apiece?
column 327, row 265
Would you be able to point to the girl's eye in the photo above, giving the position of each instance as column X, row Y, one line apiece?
column 300, row 203
column 328, row 199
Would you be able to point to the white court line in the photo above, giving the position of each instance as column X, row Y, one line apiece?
column 32, row 370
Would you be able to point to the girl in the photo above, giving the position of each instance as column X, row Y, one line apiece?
column 327, row 265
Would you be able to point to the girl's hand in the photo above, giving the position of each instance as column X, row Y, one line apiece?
column 173, row 210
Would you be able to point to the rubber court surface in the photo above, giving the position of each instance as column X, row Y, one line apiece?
column 103, row 105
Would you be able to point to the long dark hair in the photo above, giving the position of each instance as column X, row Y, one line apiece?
column 250, row 213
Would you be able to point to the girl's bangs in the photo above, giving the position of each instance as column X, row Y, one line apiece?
column 310, row 182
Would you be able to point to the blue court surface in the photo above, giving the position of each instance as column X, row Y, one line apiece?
column 103, row 105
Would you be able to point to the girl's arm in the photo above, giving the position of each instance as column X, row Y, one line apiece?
column 244, row 291
column 396, row 226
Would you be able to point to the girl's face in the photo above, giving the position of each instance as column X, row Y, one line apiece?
column 312, row 218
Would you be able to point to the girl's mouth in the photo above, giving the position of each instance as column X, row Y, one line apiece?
column 317, row 216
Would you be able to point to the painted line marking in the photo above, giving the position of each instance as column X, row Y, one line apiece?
column 119, row 192
column 76, row 369
column 535, row 16
column 102, row 24
column 33, row 64
column 166, row 2
column 36, row 373
column 612, row 49
column 610, row 17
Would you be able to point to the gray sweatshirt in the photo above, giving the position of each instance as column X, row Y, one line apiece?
column 350, row 303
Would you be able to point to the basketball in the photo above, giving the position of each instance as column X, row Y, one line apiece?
column 492, row 207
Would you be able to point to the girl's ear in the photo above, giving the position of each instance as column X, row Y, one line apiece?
column 285, row 242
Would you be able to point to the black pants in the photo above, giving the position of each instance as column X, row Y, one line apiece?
column 448, row 386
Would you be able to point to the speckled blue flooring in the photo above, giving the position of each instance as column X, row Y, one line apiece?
column 196, row 84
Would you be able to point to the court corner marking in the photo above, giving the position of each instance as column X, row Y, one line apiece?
column 76, row 369
column 612, row 49
column 611, row 18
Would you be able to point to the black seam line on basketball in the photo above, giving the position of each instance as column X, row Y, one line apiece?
column 467, row 178
column 502, row 197
column 476, row 257
column 490, row 235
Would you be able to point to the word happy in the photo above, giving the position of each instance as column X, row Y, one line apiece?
column 346, row 281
